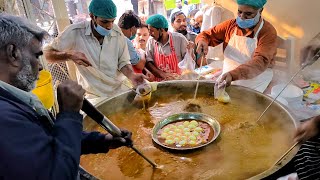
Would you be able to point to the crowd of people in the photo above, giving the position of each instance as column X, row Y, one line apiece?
column 105, row 54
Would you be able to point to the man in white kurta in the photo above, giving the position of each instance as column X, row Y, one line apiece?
column 99, row 50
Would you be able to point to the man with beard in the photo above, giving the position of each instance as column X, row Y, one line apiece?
column 249, row 44
column 34, row 144
column 99, row 50
column 195, row 21
column 179, row 24
column 164, row 50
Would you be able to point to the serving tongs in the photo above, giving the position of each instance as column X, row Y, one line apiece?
column 106, row 124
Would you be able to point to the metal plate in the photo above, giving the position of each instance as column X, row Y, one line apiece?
column 182, row 117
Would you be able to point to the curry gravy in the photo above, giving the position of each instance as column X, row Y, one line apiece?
column 238, row 153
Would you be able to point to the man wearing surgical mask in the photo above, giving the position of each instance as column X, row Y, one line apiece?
column 249, row 43
column 99, row 50
column 129, row 23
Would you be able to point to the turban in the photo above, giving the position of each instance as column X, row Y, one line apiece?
column 254, row 3
column 103, row 8
column 157, row 21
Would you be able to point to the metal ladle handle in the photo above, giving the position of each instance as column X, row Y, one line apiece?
column 314, row 59
column 105, row 123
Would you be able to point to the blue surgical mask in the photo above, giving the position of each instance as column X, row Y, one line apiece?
column 132, row 37
column 248, row 23
column 102, row 31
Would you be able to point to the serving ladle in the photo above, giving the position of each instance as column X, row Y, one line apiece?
column 192, row 104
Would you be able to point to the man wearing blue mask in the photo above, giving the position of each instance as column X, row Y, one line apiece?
column 99, row 50
column 129, row 23
column 249, row 43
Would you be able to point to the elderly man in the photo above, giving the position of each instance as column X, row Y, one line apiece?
column 33, row 144
column 249, row 44
column 164, row 50
column 100, row 45
column 179, row 24
column 195, row 21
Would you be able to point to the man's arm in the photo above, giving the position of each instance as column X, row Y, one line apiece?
column 134, row 55
column 154, row 70
column 40, row 155
column 308, row 52
column 308, row 129
column 150, row 60
column 127, row 70
column 55, row 56
column 211, row 37
column 61, row 49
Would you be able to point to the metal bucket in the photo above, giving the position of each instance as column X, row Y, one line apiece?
column 123, row 164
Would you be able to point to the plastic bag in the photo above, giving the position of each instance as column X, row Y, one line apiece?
column 187, row 66
column 220, row 92
column 144, row 91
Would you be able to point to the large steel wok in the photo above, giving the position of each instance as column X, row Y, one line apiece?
column 238, row 153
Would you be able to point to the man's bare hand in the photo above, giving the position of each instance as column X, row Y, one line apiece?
column 79, row 58
column 227, row 76
column 307, row 130
column 70, row 96
column 190, row 45
column 169, row 76
column 202, row 47
column 137, row 79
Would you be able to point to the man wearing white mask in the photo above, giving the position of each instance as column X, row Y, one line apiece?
column 249, row 43
column 99, row 50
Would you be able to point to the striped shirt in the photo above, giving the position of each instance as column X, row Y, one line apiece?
column 307, row 160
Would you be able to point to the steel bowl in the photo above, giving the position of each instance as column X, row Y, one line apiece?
column 181, row 117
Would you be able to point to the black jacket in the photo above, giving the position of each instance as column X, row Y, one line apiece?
column 31, row 148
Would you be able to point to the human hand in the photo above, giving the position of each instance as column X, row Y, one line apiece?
column 115, row 142
column 79, row 58
column 137, row 79
column 202, row 47
column 308, row 52
column 226, row 76
column 190, row 45
column 307, row 130
column 169, row 76
column 70, row 96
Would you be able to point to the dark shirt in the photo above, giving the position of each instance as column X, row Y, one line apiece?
column 31, row 148
column 193, row 29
